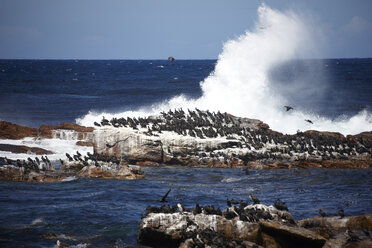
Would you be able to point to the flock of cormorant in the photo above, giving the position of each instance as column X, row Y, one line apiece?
column 29, row 164
column 262, row 143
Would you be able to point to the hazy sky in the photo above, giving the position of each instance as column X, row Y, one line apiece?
column 156, row 29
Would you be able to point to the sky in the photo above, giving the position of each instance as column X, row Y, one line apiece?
column 157, row 29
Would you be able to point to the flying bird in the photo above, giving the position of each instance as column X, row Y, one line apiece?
column 309, row 121
column 165, row 196
column 288, row 108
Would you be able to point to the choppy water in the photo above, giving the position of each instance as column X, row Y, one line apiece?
column 100, row 212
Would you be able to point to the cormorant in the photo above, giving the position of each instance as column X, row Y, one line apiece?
column 288, row 108
column 341, row 213
column 165, row 196
column 322, row 213
column 254, row 199
column 280, row 205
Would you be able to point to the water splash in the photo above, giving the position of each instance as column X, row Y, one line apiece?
column 241, row 84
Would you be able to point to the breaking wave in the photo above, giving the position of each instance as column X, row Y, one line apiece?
column 240, row 83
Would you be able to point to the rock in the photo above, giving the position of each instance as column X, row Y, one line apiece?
column 329, row 227
column 17, row 173
column 24, row 149
column 84, row 143
column 13, row 131
column 111, row 171
column 325, row 134
column 12, row 173
column 43, row 171
column 204, row 139
column 234, row 227
column 79, row 132
column 166, row 226
column 269, row 242
column 291, row 236
column 172, row 229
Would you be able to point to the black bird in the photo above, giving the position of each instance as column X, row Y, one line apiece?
column 280, row 205
column 288, row 108
column 197, row 209
column 96, row 124
column 341, row 213
column 228, row 202
column 254, row 199
column 322, row 213
column 309, row 121
column 165, row 196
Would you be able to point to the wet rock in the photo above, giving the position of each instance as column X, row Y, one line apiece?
column 172, row 229
column 329, row 227
column 292, row 236
column 205, row 139
column 81, row 132
column 234, row 227
column 13, row 131
column 249, row 226
column 24, row 149
column 18, row 173
column 111, row 171
column 84, row 143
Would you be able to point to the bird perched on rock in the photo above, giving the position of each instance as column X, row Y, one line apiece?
column 341, row 213
column 180, row 207
column 280, row 205
column 254, row 199
column 322, row 213
column 197, row 209
column 288, row 108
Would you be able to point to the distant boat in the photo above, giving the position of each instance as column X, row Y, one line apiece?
column 171, row 59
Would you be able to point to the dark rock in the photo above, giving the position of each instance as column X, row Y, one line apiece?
column 24, row 149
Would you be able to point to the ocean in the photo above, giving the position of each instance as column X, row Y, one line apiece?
column 255, row 76
column 102, row 213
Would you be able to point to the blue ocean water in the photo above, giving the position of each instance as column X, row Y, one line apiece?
column 102, row 212
column 35, row 92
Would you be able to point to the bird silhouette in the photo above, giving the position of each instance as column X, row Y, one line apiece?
column 288, row 108
column 322, row 213
column 309, row 121
column 163, row 199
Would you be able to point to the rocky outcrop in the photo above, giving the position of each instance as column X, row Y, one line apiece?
column 61, row 131
column 24, row 149
column 248, row 226
column 202, row 138
column 13, row 131
column 41, row 170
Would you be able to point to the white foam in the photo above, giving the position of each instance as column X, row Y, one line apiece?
column 241, row 85
column 57, row 146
